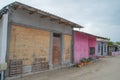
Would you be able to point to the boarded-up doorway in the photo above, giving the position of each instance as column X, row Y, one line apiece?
column 56, row 49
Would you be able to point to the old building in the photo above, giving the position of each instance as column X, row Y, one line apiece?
column 102, row 46
column 84, row 46
column 114, row 49
column 32, row 40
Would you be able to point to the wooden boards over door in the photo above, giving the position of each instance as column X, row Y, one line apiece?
column 28, row 44
column 56, row 49
column 67, row 48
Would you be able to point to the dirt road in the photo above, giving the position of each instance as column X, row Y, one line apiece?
column 105, row 69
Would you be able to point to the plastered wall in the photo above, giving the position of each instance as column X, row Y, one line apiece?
column 82, row 44
column 35, row 20
column 0, row 34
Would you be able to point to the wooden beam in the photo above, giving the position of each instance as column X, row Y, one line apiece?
column 17, row 7
column 66, row 23
column 32, row 12
column 44, row 16
column 53, row 19
column 61, row 22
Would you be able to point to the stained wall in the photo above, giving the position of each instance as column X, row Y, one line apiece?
column 82, row 44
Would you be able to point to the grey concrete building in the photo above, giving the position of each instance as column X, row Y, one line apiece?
column 32, row 40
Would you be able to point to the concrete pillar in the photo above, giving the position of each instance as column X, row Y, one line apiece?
column 3, row 44
column 51, row 50
column 72, row 50
column 4, row 38
column 2, row 75
column 62, row 49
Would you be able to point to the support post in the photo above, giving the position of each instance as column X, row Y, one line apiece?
column 62, row 49
column 50, row 54
column 2, row 75
column 3, row 46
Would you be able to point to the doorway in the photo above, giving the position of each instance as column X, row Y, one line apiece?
column 56, row 49
column 102, row 48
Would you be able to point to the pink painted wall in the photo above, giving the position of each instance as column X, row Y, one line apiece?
column 82, row 42
column 92, row 43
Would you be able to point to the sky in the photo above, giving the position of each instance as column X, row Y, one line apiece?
column 99, row 17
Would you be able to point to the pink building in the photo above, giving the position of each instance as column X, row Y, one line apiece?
column 84, row 46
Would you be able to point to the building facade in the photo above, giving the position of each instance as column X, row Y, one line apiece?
column 102, row 46
column 32, row 40
column 84, row 46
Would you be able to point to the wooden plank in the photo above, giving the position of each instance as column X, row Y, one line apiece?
column 15, row 67
column 56, row 50
column 39, row 64
column 28, row 43
column 67, row 47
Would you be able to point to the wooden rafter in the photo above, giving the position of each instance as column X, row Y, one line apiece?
column 32, row 12
column 53, row 19
column 17, row 7
column 44, row 16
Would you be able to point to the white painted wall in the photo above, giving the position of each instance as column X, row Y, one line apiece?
column 98, row 53
column 0, row 36
column 3, row 41
column 104, row 44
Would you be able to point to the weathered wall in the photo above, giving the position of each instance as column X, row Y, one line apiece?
column 33, row 40
column 35, row 20
column 92, row 43
column 82, row 44
column 67, row 48
column 28, row 44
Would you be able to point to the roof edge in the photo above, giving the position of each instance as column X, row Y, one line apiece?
column 93, row 35
column 65, row 21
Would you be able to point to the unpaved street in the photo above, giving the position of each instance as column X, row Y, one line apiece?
column 104, row 69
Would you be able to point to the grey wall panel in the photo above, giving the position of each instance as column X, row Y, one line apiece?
column 0, row 32
column 23, row 17
column 3, row 32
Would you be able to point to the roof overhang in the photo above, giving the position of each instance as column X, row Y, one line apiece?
column 98, row 38
column 102, row 39
column 18, row 5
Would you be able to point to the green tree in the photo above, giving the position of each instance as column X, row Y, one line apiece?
column 110, row 43
column 118, row 43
